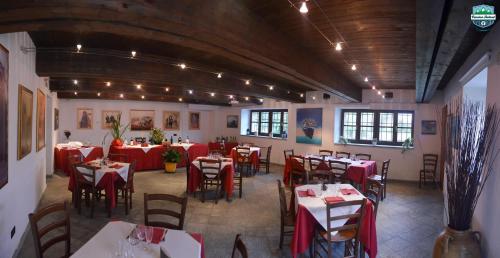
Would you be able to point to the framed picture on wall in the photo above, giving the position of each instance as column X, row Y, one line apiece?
column 171, row 120
column 194, row 121
column 40, row 120
column 4, row 105
column 84, row 118
column 108, row 117
column 232, row 121
column 56, row 119
column 141, row 120
column 429, row 127
column 309, row 125
column 24, row 122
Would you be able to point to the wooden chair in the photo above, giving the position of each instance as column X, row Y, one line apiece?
column 86, row 184
column 266, row 161
column 382, row 178
column 362, row 156
column 373, row 192
column 217, row 148
column 320, row 170
column 341, row 154
column 238, row 179
column 429, row 169
column 128, row 188
column 39, row 233
column 298, row 174
column 211, row 176
column 118, row 157
column 286, row 218
column 243, row 160
column 339, row 170
column 288, row 153
column 347, row 233
column 188, row 167
column 240, row 247
column 247, row 144
column 74, row 160
column 324, row 153
column 182, row 201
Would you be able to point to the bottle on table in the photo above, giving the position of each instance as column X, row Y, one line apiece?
column 187, row 139
column 180, row 139
column 171, row 139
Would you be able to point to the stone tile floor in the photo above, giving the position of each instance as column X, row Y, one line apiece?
column 408, row 220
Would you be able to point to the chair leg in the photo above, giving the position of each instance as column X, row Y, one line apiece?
column 217, row 194
column 203, row 191
column 125, row 194
column 241, row 186
column 92, row 205
column 282, row 232
column 130, row 199
column 267, row 168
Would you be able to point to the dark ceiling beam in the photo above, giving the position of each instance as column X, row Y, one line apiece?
column 225, row 28
column 111, row 68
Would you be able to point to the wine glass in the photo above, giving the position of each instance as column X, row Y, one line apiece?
column 141, row 234
column 149, row 235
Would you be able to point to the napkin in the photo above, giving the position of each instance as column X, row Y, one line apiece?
column 116, row 166
column 302, row 193
column 158, row 234
column 333, row 199
column 349, row 191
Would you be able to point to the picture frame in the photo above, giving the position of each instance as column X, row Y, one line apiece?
column 194, row 121
column 4, row 116
column 40, row 119
column 429, row 127
column 56, row 119
column 142, row 120
column 84, row 118
column 107, row 118
column 309, row 126
column 232, row 121
column 24, row 122
column 171, row 120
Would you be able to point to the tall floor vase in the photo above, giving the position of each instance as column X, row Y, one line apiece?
column 457, row 244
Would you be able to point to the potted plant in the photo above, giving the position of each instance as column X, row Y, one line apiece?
column 117, row 131
column 407, row 144
column 157, row 136
column 471, row 133
column 171, row 157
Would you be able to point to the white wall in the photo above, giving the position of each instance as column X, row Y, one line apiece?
column 403, row 166
column 68, row 120
column 27, row 176
column 488, row 208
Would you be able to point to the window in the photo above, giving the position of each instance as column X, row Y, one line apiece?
column 387, row 127
column 273, row 123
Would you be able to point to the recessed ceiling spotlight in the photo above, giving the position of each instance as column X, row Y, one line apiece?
column 379, row 92
column 190, row 91
column 383, row 96
column 108, row 84
column 212, row 94
column 303, row 8
column 121, row 95
column 98, row 94
column 288, row 92
column 247, row 82
column 338, row 46
column 138, row 86
column 219, row 75
column 271, row 87
column 261, row 100
column 301, row 95
column 366, row 79
column 353, row 67
column 75, row 82
column 231, row 96
column 180, row 99
column 182, row 66
column 133, row 53
column 246, row 98
column 373, row 87
column 142, row 97
column 314, row 97
column 167, row 89
column 78, row 47
column 76, row 93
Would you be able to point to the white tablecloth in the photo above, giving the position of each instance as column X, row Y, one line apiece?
column 317, row 206
column 186, row 146
column 177, row 243
column 145, row 149
column 349, row 162
column 225, row 162
column 99, row 173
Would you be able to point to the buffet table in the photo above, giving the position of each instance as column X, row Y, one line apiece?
column 63, row 151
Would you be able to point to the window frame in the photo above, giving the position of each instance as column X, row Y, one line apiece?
column 270, row 122
column 376, row 125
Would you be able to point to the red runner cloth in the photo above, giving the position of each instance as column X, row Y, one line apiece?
column 289, row 165
column 306, row 223
column 145, row 160
column 108, row 183
column 61, row 157
column 195, row 179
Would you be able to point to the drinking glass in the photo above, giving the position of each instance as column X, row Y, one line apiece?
column 141, row 233
column 149, row 235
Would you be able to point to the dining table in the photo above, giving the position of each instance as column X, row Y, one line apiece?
column 358, row 171
column 64, row 150
column 113, row 239
column 311, row 213
column 254, row 156
column 227, row 174
column 147, row 157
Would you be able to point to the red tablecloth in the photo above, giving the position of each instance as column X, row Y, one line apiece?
column 289, row 165
column 228, row 146
column 306, row 223
column 254, row 158
column 150, row 160
column 61, row 157
column 108, row 182
column 195, row 179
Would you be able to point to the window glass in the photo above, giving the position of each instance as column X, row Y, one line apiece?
column 405, row 124
column 366, row 128
column 386, row 127
column 350, row 119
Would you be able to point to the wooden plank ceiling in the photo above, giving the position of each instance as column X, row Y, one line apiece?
column 267, row 42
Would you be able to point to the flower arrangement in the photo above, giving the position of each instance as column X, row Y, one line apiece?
column 171, row 156
column 117, row 130
column 157, row 136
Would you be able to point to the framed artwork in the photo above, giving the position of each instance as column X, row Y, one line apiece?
column 24, row 122
column 194, row 121
column 40, row 120
column 84, row 118
column 4, row 84
column 309, row 125
column 56, row 119
column 171, row 120
column 429, row 127
column 141, row 120
column 108, row 117
column 232, row 121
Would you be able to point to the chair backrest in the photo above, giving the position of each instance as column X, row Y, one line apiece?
column 266, row 152
column 337, row 166
column 317, row 163
column 342, row 154
column 298, row 163
column 247, row 144
column 39, row 233
column 385, row 170
column 430, row 162
column 118, row 157
column 243, row 155
column 84, row 174
column 210, row 167
column 240, row 247
column 373, row 193
column 353, row 220
column 325, row 153
column 282, row 195
column 363, row 156
column 182, row 201
column 130, row 174
column 245, row 151
column 288, row 153
column 73, row 160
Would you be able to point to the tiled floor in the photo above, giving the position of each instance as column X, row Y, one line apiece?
column 408, row 220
